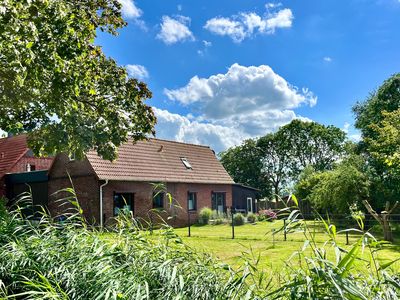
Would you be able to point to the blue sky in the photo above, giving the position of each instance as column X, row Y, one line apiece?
column 223, row 71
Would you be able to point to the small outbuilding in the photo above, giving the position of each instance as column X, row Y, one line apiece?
column 245, row 198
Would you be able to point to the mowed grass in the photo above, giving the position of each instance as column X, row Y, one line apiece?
column 263, row 239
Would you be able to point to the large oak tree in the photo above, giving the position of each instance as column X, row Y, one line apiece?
column 58, row 85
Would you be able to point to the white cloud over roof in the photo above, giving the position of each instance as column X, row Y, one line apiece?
column 244, row 102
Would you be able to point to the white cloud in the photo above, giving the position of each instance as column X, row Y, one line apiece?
column 217, row 135
column 280, row 19
column 130, row 10
column 327, row 59
column 243, row 25
column 179, row 7
column 273, row 5
column 242, row 103
column 174, row 30
column 346, row 127
column 137, row 71
column 241, row 90
column 184, row 129
column 206, row 45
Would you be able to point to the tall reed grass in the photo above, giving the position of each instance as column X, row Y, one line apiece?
column 45, row 259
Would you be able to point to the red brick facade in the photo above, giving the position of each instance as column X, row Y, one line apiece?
column 39, row 163
column 143, row 198
column 87, row 187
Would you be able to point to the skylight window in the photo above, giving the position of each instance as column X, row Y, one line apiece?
column 186, row 163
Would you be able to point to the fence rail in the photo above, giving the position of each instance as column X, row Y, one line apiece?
column 280, row 230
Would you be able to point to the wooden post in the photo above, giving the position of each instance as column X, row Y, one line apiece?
column 188, row 223
column 233, row 225
column 284, row 229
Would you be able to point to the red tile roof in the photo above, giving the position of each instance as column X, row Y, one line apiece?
column 11, row 150
column 157, row 160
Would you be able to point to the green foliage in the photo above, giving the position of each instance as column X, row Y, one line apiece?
column 376, row 118
column 275, row 160
column 335, row 190
column 385, row 145
column 47, row 260
column 58, row 85
column 238, row 219
column 218, row 218
column 243, row 164
column 312, row 144
column 205, row 215
column 251, row 218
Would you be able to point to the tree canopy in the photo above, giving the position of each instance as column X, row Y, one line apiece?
column 243, row 164
column 376, row 118
column 335, row 190
column 57, row 85
column 274, row 161
column 312, row 144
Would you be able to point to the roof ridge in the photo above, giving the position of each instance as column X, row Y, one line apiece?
column 176, row 142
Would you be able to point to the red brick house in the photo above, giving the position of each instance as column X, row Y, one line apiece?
column 191, row 173
column 16, row 157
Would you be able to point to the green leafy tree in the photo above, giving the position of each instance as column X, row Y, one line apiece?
column 373, row 117
column 335, row 190
column 385, row 145
column 312, row 144
column 56, row 84
column 275, row 163
column 243, row 163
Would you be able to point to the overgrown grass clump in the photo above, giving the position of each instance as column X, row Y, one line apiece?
column 47, row 260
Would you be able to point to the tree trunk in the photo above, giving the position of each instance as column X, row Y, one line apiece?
column 387, row 230
column 383, row 219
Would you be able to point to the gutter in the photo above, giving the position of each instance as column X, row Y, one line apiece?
column 101, row 202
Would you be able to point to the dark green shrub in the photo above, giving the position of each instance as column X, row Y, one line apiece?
column 251, row 218
column 205, row 215
column 238, row 219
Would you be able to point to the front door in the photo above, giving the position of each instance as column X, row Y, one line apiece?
column 218, row 202
column 249, row 204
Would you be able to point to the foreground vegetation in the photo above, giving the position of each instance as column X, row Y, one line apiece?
column 48, row 260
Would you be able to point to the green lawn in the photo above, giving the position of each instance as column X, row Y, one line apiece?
column 273, row 250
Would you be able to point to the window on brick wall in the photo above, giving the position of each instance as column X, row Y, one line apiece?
column 158, row 200
column 192, row 201
column 123, row 201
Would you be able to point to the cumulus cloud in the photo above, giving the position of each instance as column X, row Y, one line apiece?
column 327, row 59
column 244, row 25
column 241, row 90
column 137, row 71
column 130, row 10
column 175, row 30
column 183, row 129
column 242, row 103
column 219, row 135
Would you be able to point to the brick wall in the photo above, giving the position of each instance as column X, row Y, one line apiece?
column 87, row 187
column 84, row 182
column 42, row 163
column 143, row 198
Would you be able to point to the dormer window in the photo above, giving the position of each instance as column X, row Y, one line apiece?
column 186, row 163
